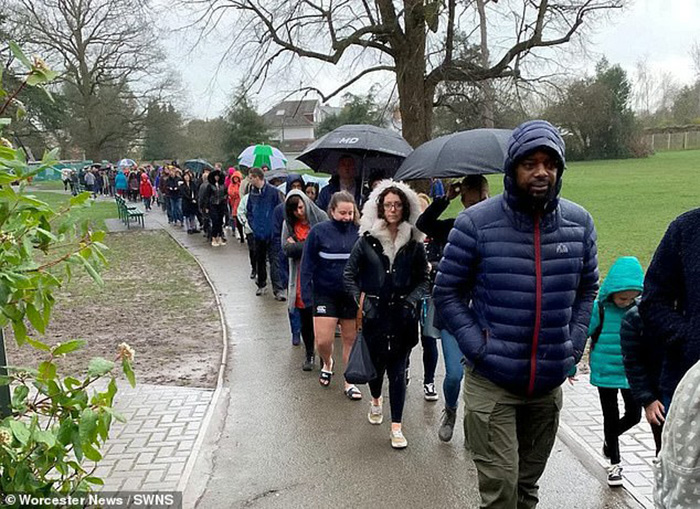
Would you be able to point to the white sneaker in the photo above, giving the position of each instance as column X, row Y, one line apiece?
column 614, row 475
column 429, row 392
column 375, row 415
column 398, row 441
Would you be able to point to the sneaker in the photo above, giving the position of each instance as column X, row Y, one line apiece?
column 375, row 414
column 429, row 392
column 261, row 291
column 615, row 475
column 214, row 242
column 398, row 441
column 447, row 425
column 280, row 296
column 308, row 363
column 253, row 275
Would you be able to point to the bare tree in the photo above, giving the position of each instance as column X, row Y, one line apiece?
column 107, row 49
column 417, row 40
column 695, row 55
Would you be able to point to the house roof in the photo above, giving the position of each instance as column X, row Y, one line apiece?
column 291, row 114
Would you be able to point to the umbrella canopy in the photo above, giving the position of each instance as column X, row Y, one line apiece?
column 259, row 155
column 197, row 165
column 126, row 163
column 372, row 148
column 473, row 152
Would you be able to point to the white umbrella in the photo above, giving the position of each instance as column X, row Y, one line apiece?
column 259, row 155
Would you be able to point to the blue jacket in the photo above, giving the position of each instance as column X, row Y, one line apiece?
column 516, row 286
column 607, row 367
column 326, row 252
column 120, row 181
column 259, row 210
column 670, row 307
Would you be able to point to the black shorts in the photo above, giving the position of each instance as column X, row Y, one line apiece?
column 335, row 306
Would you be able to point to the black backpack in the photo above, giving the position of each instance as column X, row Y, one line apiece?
column 596, row 333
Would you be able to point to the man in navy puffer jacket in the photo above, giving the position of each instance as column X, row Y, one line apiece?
column 515, row 287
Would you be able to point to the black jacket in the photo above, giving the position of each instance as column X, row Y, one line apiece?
column 189, row 198
column 670, row 305
column 172, row 186
column 642, row 358
column 392, row 291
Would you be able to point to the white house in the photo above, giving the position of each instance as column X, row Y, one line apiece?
column 292, row 123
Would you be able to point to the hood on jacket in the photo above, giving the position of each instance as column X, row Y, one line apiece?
column 211, row 180
column 314, row 215
column 372, row 224
column 231, row 171
column 144, row 177
column 625, row 274
column 527, row 138
column 291, row 178
column 236, row 175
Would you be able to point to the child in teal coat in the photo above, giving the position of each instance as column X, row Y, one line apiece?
column 617, row 295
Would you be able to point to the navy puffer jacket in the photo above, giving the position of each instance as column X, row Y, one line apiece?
column 516, row 287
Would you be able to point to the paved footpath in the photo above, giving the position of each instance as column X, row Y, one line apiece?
column 278, row 440
column 582, row 422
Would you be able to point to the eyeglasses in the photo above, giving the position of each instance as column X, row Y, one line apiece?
column 393, row 206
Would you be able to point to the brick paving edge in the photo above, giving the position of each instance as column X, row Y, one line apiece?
column 189, row 467
column 577, row 444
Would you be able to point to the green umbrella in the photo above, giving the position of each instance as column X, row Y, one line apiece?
column 259, row 155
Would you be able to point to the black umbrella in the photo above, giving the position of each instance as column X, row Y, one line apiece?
column 473, row 152
column 373, row 148
column 198, row 165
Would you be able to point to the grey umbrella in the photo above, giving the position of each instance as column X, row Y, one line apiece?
column 373, row 148
column 473, row 152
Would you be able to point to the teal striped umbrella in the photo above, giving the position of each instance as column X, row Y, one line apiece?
column 259, row 155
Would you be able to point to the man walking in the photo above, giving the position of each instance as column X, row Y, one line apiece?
column 259, row 211
column 516, row 287
column 670, row 309
column 345, row 180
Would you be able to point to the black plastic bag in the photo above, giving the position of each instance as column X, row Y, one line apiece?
column 360, row 368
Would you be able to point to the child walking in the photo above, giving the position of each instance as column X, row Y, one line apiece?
column 617, row 295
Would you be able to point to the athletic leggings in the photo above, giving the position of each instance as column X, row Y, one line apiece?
column 307, row 328
column 613, row 426
column 394, row 364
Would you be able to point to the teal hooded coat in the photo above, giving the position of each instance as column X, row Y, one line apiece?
column 607, row 368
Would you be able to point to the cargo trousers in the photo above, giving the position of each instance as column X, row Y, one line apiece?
column 510, row 438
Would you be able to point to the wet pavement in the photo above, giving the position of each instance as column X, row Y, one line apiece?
column 278, row 439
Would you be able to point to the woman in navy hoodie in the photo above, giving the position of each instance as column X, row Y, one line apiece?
column 326, row 252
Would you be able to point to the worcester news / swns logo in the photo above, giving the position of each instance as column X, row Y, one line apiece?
column 164, row 500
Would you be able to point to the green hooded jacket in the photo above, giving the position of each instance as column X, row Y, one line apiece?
column 607, row 368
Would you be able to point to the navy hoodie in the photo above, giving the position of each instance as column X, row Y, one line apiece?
column 326, row 252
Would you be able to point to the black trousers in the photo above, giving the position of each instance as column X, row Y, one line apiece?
column 613, row 426
column 250, row 239
column 262, row 250
column 307, row 329
column 393, row 362
column 217, row 214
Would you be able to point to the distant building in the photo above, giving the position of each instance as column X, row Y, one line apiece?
column 292, row 124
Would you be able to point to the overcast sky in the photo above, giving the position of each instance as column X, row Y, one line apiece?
column 660, row 31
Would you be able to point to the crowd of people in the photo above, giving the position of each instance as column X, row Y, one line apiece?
column 509, row 289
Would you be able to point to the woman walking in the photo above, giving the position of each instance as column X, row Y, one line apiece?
column 234, row 199
column 388, row 264
column 215, row 203
column 300, row 215
column 121, row 184
column 188, row 191
column 146, row 191
column 326, row 252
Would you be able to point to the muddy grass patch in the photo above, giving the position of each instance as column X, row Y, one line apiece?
column 155, row 298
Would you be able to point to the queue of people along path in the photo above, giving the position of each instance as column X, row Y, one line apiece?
column 509, row 289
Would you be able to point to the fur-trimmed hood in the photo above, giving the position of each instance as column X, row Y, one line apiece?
column 377, row 228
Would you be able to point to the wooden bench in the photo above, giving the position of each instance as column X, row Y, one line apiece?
column 128, row 212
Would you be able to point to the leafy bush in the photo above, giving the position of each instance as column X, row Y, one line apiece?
column 53, row 424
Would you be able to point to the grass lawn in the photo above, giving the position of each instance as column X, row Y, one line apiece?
column 97, row 211
column 632, row 201
column 48, row 185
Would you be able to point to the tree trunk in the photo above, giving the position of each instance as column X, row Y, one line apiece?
column 488, row 99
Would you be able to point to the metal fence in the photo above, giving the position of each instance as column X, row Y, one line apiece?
column 685, row 140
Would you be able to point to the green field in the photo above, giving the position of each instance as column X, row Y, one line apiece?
column 97, row 212
column 632, row 201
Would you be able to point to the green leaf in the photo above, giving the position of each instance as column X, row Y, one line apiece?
column 91, row 453
column 47, row 370
column 19, row 395
column 91, row 270
column 68, row 347
column 20, row 331
column 99, row 366
column 87, row 426
column 95, row 480
column 71, row 382
column 5, row 121
column 80, row 199
column 35, row 318
column 126, row 367
column 45, row 437
column 38, row 344
column 20, row 431
column 19, row 54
